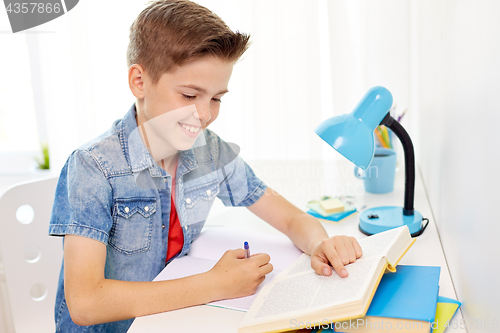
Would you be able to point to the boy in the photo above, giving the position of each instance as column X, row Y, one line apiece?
column 136, row 197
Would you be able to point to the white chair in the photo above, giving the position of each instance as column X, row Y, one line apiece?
column 31, row 258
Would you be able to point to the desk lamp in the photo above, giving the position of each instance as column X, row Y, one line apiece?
column 352, row 136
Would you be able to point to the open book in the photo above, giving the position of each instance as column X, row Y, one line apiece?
column 299, row 295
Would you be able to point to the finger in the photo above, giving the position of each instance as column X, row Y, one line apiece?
column 336, row 262
column 340, row 246
column 260, row 280
column 266, row 269
column 260, row 258
column 256, row 285
column 357, row 248
column 320, row 267
column 238, row 253
column 350, row 250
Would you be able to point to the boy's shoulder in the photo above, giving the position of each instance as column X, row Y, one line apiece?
column 107, row 138
column 107, row 151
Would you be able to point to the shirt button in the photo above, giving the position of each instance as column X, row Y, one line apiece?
column 165, row 180
column 146, row 208
column 209, row 192
column 186, row 227
column 188, row 200
column 127, row 209
column 163, row 226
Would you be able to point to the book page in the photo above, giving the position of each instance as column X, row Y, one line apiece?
column 187, row 266
column 379, row 244
column 300, row 266
column 307, row 290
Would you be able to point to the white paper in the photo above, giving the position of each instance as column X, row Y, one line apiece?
column 209, row 247
column 213, row 242
column 186, row 266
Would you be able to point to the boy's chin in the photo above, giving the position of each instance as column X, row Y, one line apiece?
column 184, row 144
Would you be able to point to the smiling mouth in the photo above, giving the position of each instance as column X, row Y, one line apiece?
column 191, row 128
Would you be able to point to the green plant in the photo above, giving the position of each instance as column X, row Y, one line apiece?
column 44, row 162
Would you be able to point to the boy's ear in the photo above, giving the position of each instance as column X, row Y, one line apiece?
column 136, row 80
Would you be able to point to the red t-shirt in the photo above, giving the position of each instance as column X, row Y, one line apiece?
column 175, row 234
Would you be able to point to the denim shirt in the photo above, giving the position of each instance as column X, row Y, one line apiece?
column 111, row 190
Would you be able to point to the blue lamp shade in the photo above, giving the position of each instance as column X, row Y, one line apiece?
column 352, row 134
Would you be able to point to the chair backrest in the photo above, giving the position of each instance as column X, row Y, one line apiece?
column 32, row 259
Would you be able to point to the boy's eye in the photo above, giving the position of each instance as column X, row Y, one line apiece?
column 190, row 97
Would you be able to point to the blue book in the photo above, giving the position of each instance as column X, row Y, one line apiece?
column 404, row 300
column 334, row 217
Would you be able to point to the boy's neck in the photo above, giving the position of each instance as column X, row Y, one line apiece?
column 165, row 156
column 169, row 164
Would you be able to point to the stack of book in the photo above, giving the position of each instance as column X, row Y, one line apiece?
column 407, row 301
column 404, row 299
column 330, row 209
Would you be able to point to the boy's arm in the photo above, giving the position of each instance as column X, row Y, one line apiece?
column 307, row 234
column 93, row 299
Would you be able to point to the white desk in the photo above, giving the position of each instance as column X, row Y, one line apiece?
column 300, row 182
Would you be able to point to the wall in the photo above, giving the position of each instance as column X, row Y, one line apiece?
column 370, row 46
column 457, row 67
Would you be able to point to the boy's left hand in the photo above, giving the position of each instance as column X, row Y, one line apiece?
column 336, row 251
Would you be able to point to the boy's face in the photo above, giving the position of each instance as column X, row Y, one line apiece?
column 182, row 104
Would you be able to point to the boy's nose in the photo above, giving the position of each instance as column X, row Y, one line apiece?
column 202, row 113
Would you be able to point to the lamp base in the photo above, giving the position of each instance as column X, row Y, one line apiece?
column 379, row 219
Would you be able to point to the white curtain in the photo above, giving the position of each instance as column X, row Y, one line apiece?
column 309, row 60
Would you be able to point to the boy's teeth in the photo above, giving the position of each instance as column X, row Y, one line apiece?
column 191, row 129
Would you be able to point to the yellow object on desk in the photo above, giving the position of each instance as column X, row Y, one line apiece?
column 331, row 206
column 445, row 310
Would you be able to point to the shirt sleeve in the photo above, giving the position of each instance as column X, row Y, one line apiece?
column 83, row 200
column 239, row 186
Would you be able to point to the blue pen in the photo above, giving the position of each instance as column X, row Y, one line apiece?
column 247, row 250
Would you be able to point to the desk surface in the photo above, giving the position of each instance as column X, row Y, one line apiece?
column 299, row 182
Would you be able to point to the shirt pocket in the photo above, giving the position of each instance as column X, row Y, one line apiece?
column 132, row 225
column 198, row 201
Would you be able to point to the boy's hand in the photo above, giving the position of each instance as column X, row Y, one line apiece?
column 237, row 276
column 337, row 251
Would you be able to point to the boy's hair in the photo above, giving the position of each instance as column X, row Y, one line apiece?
column 170, row 32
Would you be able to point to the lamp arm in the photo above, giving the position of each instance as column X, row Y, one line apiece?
column 403, row 136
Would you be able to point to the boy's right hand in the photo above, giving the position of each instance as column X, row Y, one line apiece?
column 237, row 276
